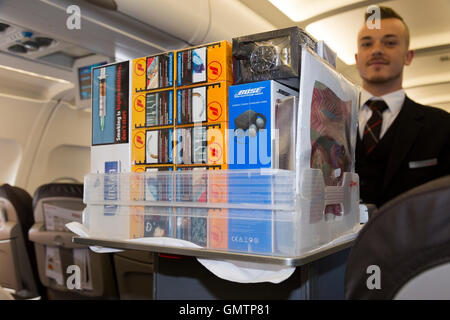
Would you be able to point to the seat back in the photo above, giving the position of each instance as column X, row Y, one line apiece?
column 406, row 241
column 135, row 274
column 68, row 270
column 18, row 269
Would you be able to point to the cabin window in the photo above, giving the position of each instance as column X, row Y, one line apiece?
column 68, row 163
column 10, row 157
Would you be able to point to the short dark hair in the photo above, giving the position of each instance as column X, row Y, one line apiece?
column 387, row 13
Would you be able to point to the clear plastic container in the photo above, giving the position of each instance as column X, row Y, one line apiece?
column 261, row 211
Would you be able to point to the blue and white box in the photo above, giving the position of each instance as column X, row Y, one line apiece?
column 252, row 131
column 252, row 145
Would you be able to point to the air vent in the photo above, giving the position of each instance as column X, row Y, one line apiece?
column 17, row 48
column 34, row 45
column 26, row 42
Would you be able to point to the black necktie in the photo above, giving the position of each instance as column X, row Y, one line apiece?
column 372, row 129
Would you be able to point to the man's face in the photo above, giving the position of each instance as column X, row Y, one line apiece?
column 383, row 52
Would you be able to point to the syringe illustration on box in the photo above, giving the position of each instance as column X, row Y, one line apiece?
column 110, row 116
column 102, row 101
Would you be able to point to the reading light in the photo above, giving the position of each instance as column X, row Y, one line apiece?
column 31, row 45
column 44, row 41
column 17, row 48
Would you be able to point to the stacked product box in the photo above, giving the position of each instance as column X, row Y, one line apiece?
column 152, row 140
column 207, row 63
column 275, row 55
column 155, row 186
column 190, row 117
column 271, row 55
column 253, row 144
column 179, row 122
column 201, row 125
column 153, row 112
column 204, row 74
column 110, row 149
column 185, row 194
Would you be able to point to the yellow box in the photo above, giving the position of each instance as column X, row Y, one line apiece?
column 210, row 62
column 153, row 109
column 148, row 188
column 218, row 218
column 207, row 166
column 202, row 103
column 201, row 144
column 153, row 72
column 146, row 168
column 218, row 228
column 152, row 146
column 137, row 216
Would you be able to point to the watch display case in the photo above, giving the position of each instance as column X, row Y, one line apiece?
column 273, row 55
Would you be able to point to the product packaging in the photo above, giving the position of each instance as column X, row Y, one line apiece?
column 201, row 144
column 254, row 144
column 272, row 55
column 204, row 64
column 252, row 126
column 153, row 109
column 202, row 104
column 152, row 146
column 325, row 52
column 153, row 73
column 110, row 148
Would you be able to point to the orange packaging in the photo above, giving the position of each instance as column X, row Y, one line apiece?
column 146, row 168
column 218, row 218
column 201, row 144
column 152, row 146
column 137, row 216
column 139, row 191
column 153, row 109
column 218, row 228
column 153, row 72
column 204, row 64
column 206, row 103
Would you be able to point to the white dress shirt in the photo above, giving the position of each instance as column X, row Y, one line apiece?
column 394, row 101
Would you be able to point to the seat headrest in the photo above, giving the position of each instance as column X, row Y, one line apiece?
column 409, row 234
column 20, row 200
column 57, row 190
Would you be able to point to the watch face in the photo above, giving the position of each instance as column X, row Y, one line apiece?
column 263, row 59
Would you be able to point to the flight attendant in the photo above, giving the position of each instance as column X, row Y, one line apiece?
column 401, row 144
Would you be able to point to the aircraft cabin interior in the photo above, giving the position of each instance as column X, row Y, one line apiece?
column 57, row 165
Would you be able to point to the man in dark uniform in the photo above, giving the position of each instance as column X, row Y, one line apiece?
column 401, row 144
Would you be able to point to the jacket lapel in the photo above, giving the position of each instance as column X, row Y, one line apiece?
column 409, row 126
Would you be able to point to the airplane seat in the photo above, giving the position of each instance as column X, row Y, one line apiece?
column 18, row 268
column 403, row 251
column 66, row 269
column 134, row 273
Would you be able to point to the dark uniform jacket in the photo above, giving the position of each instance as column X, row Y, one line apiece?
column 414, row 150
